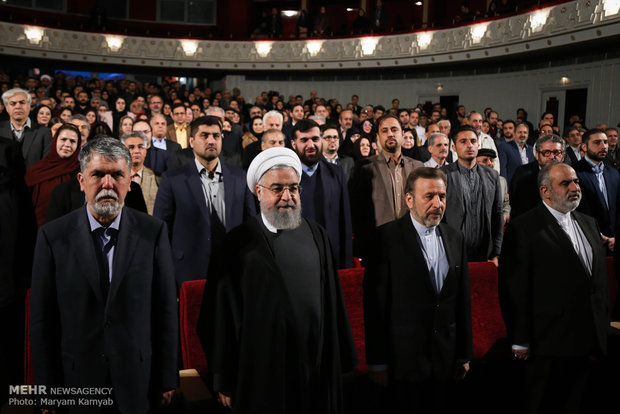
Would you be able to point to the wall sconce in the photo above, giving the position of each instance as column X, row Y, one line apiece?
column 439, row 87
column 290, row 13
column 369, row 45
column 114, row 42
column 539, row 19
column 611, row 7
column 564, row 80
column 189, row 47
column 478, row 31
column 263, row 48
column 34, row 34
column 424, row 39
column 314, row 47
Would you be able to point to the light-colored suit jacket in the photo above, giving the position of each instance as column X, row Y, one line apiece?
column 149, row 187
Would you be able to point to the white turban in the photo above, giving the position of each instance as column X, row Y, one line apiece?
column 268, row 159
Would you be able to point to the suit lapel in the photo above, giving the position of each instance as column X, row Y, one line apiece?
column 87, row 260
column 230, row 189
column 593, row 238
column 28, row 139
column 123, row 251
column 452, row 255
column 384, row 173
column 194, row 185
column 412, row 245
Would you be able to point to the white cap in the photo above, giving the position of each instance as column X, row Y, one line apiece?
column 268, row 159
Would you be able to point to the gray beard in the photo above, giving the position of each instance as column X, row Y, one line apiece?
column 107, row 209
column 284, row 219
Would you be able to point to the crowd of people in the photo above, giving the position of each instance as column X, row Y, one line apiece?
column 420, row 191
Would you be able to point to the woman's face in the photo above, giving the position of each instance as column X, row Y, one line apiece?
column 206, row 103
column 189, row 116
column 126, row 125
column 280, row 105
column 91, row 116
column 226, row 126
column 408, row 140
column 167, row 109
column 55, row 127
column 43, row 116
column 65, row 115
column 216, row 102
column 66, row 144
column 367, row 127
column 257, row 125
column 120, row 105
column 485, row 127
column 365, row 147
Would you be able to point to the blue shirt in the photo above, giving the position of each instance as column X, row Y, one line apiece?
column 161, row 144
column 105, row 236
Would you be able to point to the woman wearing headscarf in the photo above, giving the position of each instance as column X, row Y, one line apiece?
column 119, row 111
column 42, row 115
column 59, row 165
column 362, row 148
column 255, row 133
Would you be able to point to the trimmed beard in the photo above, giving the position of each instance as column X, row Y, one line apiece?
column 106, row 208
column 285, row 219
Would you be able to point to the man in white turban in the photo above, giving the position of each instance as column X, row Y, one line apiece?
column 273, row 322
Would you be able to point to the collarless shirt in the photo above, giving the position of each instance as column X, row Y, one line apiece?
column 105, row 236
column 432, row 163
column 397, row 176
column 598, row 172
column 160, row 143
column 575, row 234
column 309, row 170
column 523, row 154
column 213, row 189
column 19, row 133
column 434, row 253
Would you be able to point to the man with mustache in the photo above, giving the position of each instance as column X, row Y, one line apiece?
column 599, row 184
column 417, row 309
column 438, row 146
column 273, row 322
column 474, row 201
column 377, row 185
column 325, row 198
column 202, row 200
column 553, row 294
column 103, row 306
column 34, row 140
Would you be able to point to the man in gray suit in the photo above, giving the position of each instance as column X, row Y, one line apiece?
column 377, row 185
column 35, row 140
column 474, row 199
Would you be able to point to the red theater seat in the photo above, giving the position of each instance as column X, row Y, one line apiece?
column 487, row 322
column 189, row 311
column 351, row 281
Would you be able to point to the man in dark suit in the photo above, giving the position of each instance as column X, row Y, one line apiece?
column 325, row 198
column 106, row 317
column 523, row 190
column 599, row 184
column 417, row 309
column 35, row 140
column 202, row 200
column 332, row 138
column 553, row 293
column 474, row 200
column 572, row 136
column 377, row 184
column 515, row 153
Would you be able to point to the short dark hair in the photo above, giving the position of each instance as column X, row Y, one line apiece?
column 325, row 127
column 208, row 120
column 401, row 110
column 304, row 125
column 384, row 118
column 510, row 121
column 378, row 108
column 424, row 172
column 177, row 105
column 464, row 128
column 586, row 137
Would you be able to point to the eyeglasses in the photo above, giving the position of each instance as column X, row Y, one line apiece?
column 547, row 153
column 330, row 137
column 278, row 190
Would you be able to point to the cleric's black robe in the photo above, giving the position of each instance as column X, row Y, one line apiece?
column 245, row 328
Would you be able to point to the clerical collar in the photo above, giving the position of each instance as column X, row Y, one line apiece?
column 309, row 170
column 559, row 216
column 267, row 224
column 420, row 228
column 27, row 124
column 94, row 224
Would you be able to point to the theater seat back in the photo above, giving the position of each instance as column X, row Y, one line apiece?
column 487, row 322
column 351, row 281
column 189, row 312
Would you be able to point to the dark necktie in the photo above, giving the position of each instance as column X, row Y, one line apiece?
column 104, row 249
